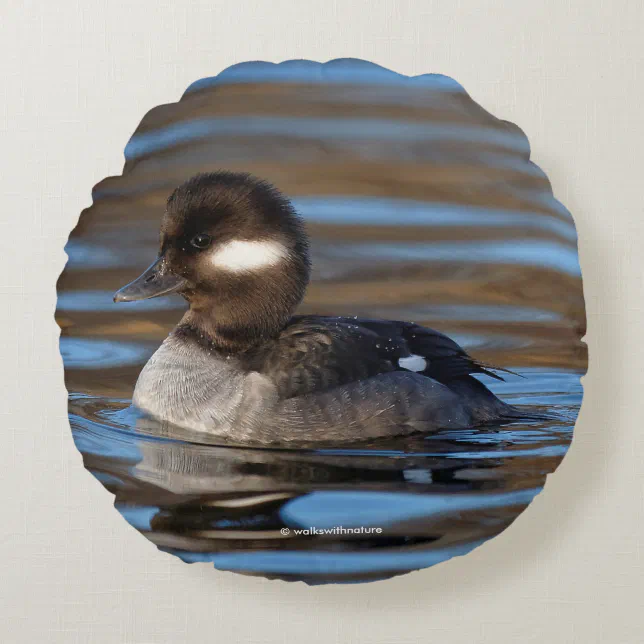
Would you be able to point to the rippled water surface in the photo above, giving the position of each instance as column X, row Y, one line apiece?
column 421, row 206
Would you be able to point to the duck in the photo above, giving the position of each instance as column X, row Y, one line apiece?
column 242, row 366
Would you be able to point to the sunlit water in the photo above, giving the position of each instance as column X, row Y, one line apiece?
column 421, row 206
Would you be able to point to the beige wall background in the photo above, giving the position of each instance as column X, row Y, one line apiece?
column 77, row 76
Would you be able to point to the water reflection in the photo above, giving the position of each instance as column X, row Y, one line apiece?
column 530, row 253
column 343, row 130
column 377, row 212
column 97, row 353
column 342, row 70
column 431, row 497
column 421, row 206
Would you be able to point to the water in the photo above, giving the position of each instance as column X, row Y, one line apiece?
column 421, row 206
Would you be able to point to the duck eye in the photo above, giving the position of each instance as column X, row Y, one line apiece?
column 201, row 241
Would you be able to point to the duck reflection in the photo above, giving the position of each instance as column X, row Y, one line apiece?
column 203, row 502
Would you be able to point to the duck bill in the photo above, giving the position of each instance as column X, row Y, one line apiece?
column 156, row 280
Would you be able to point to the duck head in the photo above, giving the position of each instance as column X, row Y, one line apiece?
column 234, row 248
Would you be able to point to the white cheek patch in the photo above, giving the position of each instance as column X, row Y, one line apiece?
column 413, row 363
column 238, row 256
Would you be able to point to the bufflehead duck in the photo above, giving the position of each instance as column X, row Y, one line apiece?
column 239, row 365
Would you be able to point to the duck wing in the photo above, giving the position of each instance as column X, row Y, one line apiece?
column 316, row 353
column 444, row 359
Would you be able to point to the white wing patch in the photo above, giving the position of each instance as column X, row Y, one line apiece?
column 238, row 256
column 413, row 363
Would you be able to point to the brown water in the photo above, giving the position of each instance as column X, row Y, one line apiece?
column 421, row 206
